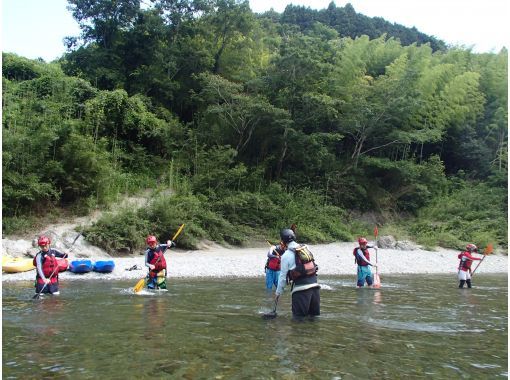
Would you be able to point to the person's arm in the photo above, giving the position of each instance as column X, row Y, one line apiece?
column 59, row 254
column 169, row 244
column 147, row 264
column 38, row 262
column 286, row 264
column 470, row 257
column 359, row 252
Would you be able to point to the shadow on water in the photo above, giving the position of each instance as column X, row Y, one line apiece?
column 418, row 327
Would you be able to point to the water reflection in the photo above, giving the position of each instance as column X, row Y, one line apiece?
column 156, row 319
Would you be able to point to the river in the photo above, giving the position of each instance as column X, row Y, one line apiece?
column 419, row 326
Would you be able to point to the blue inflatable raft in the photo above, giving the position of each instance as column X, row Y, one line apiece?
column 80, row 266
column 105, row 266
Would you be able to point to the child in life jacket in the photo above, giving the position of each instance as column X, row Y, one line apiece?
column 466, row 259
column 273, row 265
column 155, row 261
column 362, row 258
column 46, row 280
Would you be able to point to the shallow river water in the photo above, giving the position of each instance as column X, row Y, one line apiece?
column 413, row 327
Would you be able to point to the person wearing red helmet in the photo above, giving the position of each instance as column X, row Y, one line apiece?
column 155, row 261
column 46, row 279
column 466, row 259
column 362, row 258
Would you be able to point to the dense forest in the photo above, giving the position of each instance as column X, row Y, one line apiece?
column 242, row 123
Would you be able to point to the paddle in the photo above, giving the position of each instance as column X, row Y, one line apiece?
column 377, row 280
column 140, row 284
column 37, row 295
column 486, row 252
column 272, row 313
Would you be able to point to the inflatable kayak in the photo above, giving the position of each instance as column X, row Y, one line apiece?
column 63, row 264
column 17, row 264
column 106, row 266
column 80, row 266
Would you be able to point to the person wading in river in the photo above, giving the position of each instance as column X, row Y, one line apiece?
column 466, row 259
column 273, row 265
column 155, row 261
column 362, row 258
column 46, row 279
column 298, row 267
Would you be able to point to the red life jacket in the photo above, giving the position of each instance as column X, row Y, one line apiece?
column 158, row 260
column 465, row 261
column 49, row 267
column 358, row 260
column 274, row 263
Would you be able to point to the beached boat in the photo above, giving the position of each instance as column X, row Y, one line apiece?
column 63, row 264
column 17, row 264
column 105, row 266
column 80, row 266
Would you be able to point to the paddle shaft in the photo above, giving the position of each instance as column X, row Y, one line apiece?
column 483, row 258
column 175, row 237
column 56, row 269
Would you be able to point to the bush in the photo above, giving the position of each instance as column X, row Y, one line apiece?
column 474, row 213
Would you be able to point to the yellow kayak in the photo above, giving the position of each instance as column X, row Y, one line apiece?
column 6, row 258
column 16, row 264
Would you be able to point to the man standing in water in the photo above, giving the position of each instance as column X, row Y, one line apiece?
column 298, row 265
column 466, row 259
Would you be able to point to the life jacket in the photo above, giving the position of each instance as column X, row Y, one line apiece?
column 305, row 271
column 465, row 261
column 358, row 260
column 157, row 259
column 49, row 266
column 274, row 263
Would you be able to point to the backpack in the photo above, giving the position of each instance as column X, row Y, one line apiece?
column 305, row 263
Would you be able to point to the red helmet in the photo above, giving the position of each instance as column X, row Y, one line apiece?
column 362, row 240
column 471, row 248
column 151, row 239
column 43, row 240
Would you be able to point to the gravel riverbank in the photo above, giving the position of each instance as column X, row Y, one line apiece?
column 333, row 259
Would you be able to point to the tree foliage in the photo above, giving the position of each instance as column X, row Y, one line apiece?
column 307, row 112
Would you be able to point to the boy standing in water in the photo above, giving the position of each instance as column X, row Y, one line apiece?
column 273, row 265
column 46, row 280
column 155, row 261
column 466, row 259
column 362, row 258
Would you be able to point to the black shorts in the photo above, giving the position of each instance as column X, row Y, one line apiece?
column 306, row 302
column 50, row 288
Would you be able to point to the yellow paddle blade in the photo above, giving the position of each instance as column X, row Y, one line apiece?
column 139, row 285
column 488, row 250
column 178, row 232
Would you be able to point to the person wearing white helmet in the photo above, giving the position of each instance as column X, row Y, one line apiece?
column 466, row 260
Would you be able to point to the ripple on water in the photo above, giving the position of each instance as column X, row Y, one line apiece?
column 449, row 328
column 485, row 366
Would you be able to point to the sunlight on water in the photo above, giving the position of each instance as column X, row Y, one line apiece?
column 414, row 326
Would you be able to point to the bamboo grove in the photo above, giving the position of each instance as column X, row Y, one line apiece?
column 241, row 123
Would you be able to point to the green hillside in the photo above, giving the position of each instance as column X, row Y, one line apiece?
column 254, row 122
